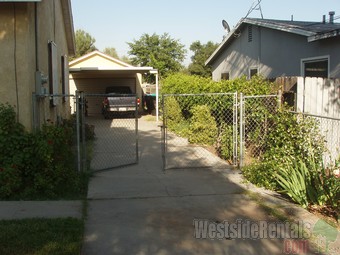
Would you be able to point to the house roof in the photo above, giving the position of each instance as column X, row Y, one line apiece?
column 84, row 64
column 102, row 55
column 312, row 30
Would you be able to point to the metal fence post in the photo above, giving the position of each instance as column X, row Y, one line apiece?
column 241, row 130
column 78, row 132
column 235, row 130
column 83, row 123
column 136, row 130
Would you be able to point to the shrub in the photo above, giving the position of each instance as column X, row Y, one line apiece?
column 224, row 145
column 180, row 83
column 288, row 138
column 203, row 128
column 37, row 164
column 262, row 174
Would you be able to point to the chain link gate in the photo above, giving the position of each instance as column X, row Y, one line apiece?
column 254, row 124
column 199, row 130
column 107, row 141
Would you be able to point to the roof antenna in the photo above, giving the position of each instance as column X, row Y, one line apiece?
column 255, row 7
column 259, row 3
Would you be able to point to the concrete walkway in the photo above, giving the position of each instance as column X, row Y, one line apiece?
column 16, row 210
column 142, row 210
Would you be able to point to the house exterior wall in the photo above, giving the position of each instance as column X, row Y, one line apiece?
column 24, row 37
column 275, row 53
column 17, row 62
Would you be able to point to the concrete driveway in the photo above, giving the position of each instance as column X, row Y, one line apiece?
column 142, row 210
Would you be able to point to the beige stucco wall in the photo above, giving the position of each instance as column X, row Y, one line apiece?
column 18, row 62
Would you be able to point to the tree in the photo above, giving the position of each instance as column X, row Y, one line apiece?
column 201, row 53
column 111, row 52
column 84, row 43
column 159, row 51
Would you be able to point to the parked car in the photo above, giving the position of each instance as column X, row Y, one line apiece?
column 120, row 100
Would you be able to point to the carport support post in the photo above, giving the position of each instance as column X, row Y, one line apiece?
column 155, row 72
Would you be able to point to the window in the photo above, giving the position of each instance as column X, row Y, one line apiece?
column 225, row 76
column 252, row 72
column 317, row 67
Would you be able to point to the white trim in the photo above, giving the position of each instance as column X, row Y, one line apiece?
column 97, row 52
column 314, row 59
column 124, row 69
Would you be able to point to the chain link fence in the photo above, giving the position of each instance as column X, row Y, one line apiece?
column 99, row 142
column 199, row 130
column 112, row 139
column 56, row 110
column 254, row 124
column 330, row 132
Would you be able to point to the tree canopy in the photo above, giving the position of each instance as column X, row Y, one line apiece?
column 84, row 43
column 159, row 51
column 111, row 51
column 201, row 53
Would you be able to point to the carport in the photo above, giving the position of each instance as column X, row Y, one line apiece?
column 96, row 71
column 116, row 140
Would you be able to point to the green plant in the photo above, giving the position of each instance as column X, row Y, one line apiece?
column 262, row 174
column 203, row 128
column 35, row 165
column 180, row 83
column 310, row 185
column 173, row 112
column 296, row 183
column 288, row 137
column 224, row 145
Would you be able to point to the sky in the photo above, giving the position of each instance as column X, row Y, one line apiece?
column 113, row 23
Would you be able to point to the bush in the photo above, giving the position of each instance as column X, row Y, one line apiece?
column 224, row 145
column 289, row 138
column 202, row 128
column 180, row 83
column 39, row 165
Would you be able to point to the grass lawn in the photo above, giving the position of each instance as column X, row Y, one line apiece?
column 41, row 236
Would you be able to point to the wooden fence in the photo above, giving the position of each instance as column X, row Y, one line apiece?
column 318, row 98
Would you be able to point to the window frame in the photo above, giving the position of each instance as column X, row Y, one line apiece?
column 313, row 60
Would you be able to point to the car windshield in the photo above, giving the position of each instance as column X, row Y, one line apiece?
column 118, row 90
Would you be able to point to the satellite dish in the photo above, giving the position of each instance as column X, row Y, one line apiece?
column 226, row 26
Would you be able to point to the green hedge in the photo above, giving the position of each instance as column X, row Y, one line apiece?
column 180, row 83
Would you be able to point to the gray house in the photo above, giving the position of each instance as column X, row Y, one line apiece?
column 275, row 48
